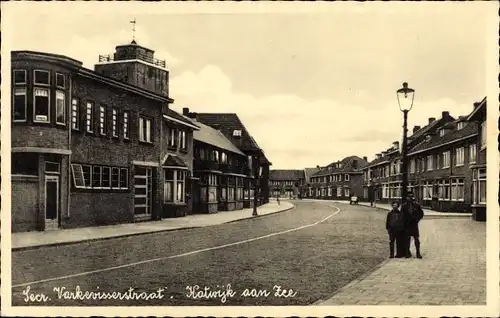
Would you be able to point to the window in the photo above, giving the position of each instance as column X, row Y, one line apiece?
column 144, row 129
column 90, row 117
column 347, row 192
column 106, row 177
column 444, row 189
column 483, row 135
column 237, row 133
column 172, row 138
column 412, row 166
column 339, row 191
column 19, row 77
column 429, row 163
column 459, row 156
column 42, row 77
column 60, row 80
column 115, row 178
column 472, row 153
column 81, row 175
column 102, row 120
column 329, row 191
column 60, row 108
column 479, row 186
column 123, row 178
column 125, row 125
column 41, row 107
column 446, row 159
column 461, row 125
column 427, row 187
column 175, row 185
column 114, row 123
column 87, row 175
column 96, row 177
column 441, row 132
column 75, row 114
column 346, row 177
column 19, row 105
column 457, row 189
column 182, row 140
column 223, row 157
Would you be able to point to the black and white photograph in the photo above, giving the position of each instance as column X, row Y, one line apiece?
column 244, row 158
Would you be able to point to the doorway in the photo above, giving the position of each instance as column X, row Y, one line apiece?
column 52, row 202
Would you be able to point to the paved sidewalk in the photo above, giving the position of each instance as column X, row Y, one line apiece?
column 27, row 240
column 384, row 206
column 452, row 272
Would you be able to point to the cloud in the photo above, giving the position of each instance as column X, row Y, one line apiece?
column 296, row 132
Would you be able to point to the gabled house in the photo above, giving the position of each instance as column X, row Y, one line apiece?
column 285, row 183
column 306, row 189
column 339, row 180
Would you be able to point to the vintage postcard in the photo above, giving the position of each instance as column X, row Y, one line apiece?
column 250, row 159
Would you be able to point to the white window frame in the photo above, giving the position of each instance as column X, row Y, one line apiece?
column 126, row 130
column 75, row 114
column 106, row 186
column 14, row 77
column 145, row 127
column 114, row 122
column 460, row 125
column 175, row 183
column 182, row 139
column 60, row 94
column 42, row 71
column 94, row 168
column 126, row 178
column 346, row 177
column 472, row 153
column 64, row 80
column 20, row 91
column 102, row 120
column 430, row 163
column 35, row 89
column 454, row 186
column 459, row 156
column 446, row 159
column 89, row 117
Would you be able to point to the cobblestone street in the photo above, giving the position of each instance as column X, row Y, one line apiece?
column 452, row 272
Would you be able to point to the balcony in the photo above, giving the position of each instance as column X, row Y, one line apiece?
column 206, row 165
column 132, row 56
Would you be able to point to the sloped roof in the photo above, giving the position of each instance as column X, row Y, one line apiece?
column 230, row 122
column 450, row 136
column 479, row 111
column 346, row 165
column 308, row 172
column 173, row 161
column 286, row 175
column 215, row 138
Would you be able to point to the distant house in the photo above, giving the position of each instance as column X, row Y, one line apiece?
column 306, row 189
column 340, row 179
column 285, row 183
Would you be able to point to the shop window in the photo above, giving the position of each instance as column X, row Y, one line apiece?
column 24, row 163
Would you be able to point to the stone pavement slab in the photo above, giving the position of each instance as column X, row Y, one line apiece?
column 452, row 272
column 27, row 240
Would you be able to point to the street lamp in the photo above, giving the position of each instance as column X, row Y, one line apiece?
column 405, row 101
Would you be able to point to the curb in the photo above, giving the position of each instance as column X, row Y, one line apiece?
column 427, row 216
column 351, row 283
column 26, row 248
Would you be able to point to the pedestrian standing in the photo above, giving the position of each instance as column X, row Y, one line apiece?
column 394, row 225
column 412, row 214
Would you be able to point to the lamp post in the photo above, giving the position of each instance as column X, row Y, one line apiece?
column 405, row 97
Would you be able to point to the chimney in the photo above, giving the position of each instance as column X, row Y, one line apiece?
column 431, row 119
column 378, row 156
column 395, row 144
column 476, row 104
column 185, row 111
column 365, row 158
column 317, row 167
column 445, row 114
column 416, row 128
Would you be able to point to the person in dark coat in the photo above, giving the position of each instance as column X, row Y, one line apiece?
column 394, row 225
column 412, row 214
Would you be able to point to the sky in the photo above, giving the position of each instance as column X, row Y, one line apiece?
column 311, row 86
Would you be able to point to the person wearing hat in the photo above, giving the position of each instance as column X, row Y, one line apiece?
column 412, row 214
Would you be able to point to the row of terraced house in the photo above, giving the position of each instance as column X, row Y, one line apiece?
column 447, row 168
column 103, row 146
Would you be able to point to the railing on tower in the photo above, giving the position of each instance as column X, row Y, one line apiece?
column 155, row 61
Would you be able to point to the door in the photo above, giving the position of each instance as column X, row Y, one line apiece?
column 51, row 202
column 143, row 191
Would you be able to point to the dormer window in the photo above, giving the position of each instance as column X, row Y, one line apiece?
column 461, row 125
column 237, row 133
column 441, row 132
